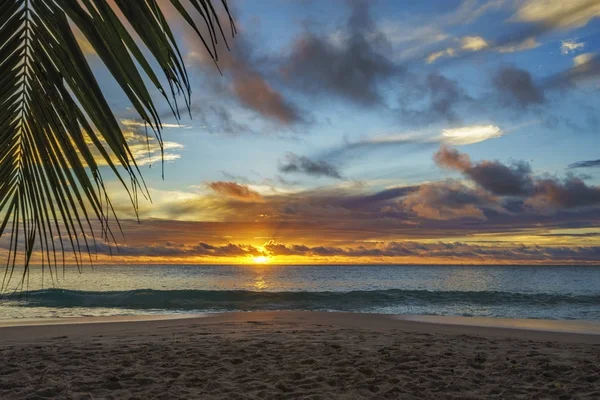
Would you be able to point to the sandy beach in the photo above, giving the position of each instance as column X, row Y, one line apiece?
column 298, row 355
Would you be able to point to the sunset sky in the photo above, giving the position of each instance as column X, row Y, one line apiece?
column 438, row 131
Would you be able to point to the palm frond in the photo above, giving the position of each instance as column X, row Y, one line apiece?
column 55, row 120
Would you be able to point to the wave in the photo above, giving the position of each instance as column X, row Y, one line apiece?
column 240, row 300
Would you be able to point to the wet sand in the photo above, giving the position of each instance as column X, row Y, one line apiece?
column 300, row 355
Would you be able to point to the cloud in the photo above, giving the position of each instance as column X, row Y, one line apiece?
column 431, row 98
column 174, row 250
column 235, row 190
column 397, row 250
column 352, row 68
column 144, row 147
column 467, row 43
column 570, row 46
column 544, row 17
column 433, row 57
column 517, row 86
column 493, row 176
column 583, row 59
column 414, row 35
column 558, row 13
column 448, row 200
column 459, row 250
column 248, row 84
column 585, row 67
column 133, row 123
column 585, row 164
column 515, row 46
column 471, row 134
column 329, row 217
column 219, row 119
column 473, row 43
column 253, row 91
column 541, row 194
column 300, row 164
column 452, row 159
column 569, row 193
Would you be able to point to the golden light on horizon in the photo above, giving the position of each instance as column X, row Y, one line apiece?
column 260, row 260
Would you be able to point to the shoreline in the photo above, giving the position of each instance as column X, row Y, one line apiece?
column 572, row 331
column 294, row 355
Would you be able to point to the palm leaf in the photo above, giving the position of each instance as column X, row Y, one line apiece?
column 55, row 120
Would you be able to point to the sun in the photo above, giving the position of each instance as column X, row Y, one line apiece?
column 260, row 260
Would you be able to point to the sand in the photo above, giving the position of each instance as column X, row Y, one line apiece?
column 296, row 355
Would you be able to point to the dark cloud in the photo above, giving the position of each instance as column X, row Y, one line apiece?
column 449, row 200
column 502, row 180
column 235, row 190
column 440, row 95
column 228, row 250
column 173, row 250
column 541, row 194
column 219, row 119
column 241, row 66
column 351, row 69
column 569, row 193
column 585, row 164
column 300, row 164
column 451, row 158
column 255, row 93
column 444, row 250
column 497, row 178
column 326, row 219
column 586, row 68
column 387, row 249
column 362, row 201
column 516, row 87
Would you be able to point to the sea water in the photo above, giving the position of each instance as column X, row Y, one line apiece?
column 548, row 292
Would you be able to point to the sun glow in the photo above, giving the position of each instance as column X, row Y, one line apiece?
column 260, row 260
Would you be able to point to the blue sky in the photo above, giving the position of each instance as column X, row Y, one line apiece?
column 551, row 136
column 355, row 98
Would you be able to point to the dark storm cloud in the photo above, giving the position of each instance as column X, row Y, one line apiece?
column 304, row 165
column 585, row 164
column 352, row 69
column 517, row 86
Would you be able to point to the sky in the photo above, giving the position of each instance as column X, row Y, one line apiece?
column 437, row 131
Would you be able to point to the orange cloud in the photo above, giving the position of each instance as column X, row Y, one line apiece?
column 235, row 190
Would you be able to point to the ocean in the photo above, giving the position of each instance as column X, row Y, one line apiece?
column 548, row 292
